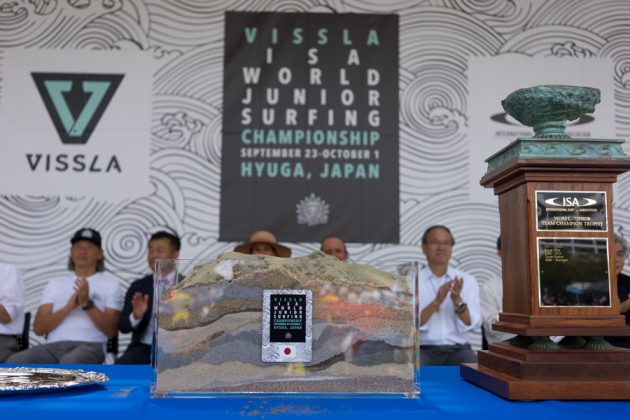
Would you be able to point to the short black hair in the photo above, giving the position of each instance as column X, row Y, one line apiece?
column 425, row 235
column 174, row 240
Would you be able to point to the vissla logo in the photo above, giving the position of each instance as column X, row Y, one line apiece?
column 76, row 101
column 571, row 202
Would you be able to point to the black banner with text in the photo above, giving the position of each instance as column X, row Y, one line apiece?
column 310, row 127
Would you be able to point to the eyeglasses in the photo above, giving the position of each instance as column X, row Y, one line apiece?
column 436, row 244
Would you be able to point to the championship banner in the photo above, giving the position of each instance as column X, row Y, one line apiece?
column 310, row 127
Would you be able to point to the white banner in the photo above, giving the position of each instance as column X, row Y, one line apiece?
column 75, row 123
column 492, row 79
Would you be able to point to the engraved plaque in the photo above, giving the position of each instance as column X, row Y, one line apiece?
column 287, row 326
column 571, row 210
column 573, row 272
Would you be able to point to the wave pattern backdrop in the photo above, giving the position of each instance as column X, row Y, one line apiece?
column 185, row 40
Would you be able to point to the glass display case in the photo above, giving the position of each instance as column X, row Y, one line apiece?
column 306, row 326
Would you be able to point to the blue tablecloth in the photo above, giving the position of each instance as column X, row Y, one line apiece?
column 444, row 395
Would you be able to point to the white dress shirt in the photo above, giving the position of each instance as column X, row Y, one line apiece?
column 444, row 327
column 491, row 304
column 12, row 298
column 163, row 284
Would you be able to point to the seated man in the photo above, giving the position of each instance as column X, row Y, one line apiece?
column 11, row 309
column 623, row 289
column 78, row 311
column 137, row 313
column 263, row 243
column 335, row 246
column 449, row 303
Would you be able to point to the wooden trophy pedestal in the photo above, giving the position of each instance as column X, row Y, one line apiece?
column 563, row 374
column 553, row 249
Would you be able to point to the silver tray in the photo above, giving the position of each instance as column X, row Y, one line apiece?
column 21, row 380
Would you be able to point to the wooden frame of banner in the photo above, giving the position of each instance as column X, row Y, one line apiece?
column 522, row 373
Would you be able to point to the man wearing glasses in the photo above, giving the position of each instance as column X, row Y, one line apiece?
column 449, row 302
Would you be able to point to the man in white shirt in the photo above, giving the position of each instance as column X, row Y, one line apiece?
column 137, row 314
column 79, row 311
column 11, row 309
column 449, row 303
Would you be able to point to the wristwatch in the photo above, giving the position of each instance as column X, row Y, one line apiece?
column 461, row 307
column 89, row 305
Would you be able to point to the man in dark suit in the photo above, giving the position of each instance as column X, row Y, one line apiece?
column 136, row 316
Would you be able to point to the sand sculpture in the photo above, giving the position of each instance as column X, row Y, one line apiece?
column 209, row 336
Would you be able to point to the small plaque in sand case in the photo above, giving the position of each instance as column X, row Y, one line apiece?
column 287, row 326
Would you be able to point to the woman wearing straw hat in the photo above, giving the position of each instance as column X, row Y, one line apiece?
column 263, row 243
